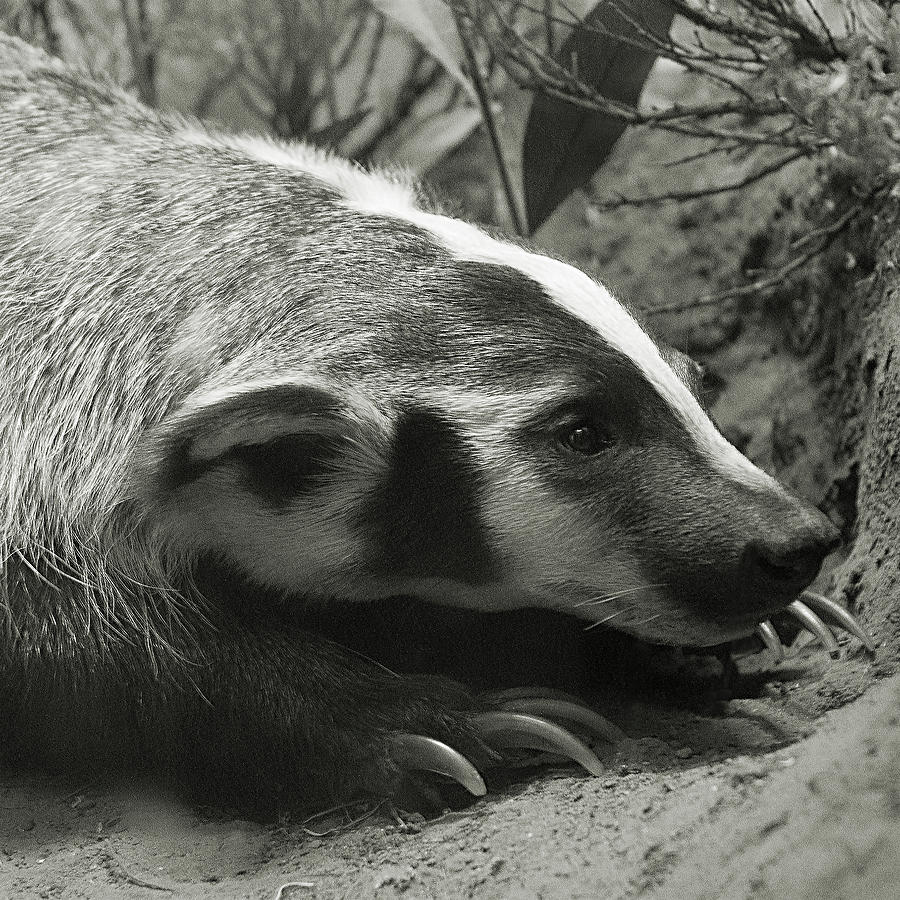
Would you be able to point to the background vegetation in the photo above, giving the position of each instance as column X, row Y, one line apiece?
column 745, row 88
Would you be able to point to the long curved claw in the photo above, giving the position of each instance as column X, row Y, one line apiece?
column 415, row 751
column 811, row 622
column 503, row 729
column 837, row 615
column 769, row 636
column 507, row 697
column 526, row 693
column 556, row 709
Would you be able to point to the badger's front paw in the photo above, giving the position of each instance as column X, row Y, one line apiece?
column 523, row 718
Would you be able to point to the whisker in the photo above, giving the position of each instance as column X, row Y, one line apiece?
column 596, row 601
column 609, row 618
column 648, row 620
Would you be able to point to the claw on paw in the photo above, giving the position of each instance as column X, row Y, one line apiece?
column 811, row 622
column 415, row 751
column 558, row 707
column 837, row 615
column 769, row 636
column 810, row 613
column 524, row 693
column 503, row 729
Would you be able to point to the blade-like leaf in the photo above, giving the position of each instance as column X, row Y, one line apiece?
column 331, row 135
column 431, row 24
column 565, row 144
column 422, row 144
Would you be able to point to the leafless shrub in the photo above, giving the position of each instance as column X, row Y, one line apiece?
column 784, row 80
column 335, row 72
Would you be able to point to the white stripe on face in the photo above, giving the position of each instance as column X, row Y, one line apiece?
column 570, row 288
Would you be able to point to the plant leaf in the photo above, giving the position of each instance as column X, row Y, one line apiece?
column 431, row 24
column 424, row 143
column 332, row 134
column 565, row 144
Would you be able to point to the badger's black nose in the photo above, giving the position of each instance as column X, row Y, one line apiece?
column 790, row 562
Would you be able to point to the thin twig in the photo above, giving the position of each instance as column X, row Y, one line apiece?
column 549, row 36
column 293, row 884
column 414, row 87
column 328, row 40
column 683, row 125
column 349, row 822
column 51, row 34
column 487, row 114
column 557, row 80
column 764, row 32
column 824, row 26
column 117, row 869
column 143, row 56
column 827, row 235
column 365, row 81
column 361, row 21
column 705, row 153
column 833, row 228
column 217, row 79
column 694, row 194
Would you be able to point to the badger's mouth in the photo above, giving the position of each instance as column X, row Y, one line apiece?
column 680, row 626
column 814, row 613
column 682, row 615
column 687, row 630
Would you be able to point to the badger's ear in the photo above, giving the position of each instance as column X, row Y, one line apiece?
column 283, row 435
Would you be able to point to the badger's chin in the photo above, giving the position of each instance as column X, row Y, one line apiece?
column 493, row 596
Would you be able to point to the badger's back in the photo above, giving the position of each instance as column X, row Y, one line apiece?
column 115, row 306
column 135, row 265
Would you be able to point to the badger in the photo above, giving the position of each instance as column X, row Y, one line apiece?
column 236, row 369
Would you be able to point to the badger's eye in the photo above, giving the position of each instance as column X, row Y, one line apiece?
column 586, row 438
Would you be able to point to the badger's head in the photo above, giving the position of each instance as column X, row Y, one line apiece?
column 414, row 407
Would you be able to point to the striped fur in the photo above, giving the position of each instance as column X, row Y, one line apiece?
column 184, row 310
column 379, row 194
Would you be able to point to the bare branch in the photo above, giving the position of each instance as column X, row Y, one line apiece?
column 824, row 26
column 704, row 153
column 141, row 48
column 40, row 10
column 327, row 41
column 414, row 87
column 818, row 242
column 695, row 194
column 217, row 79
column 371, row 61
column 487, row 114
column 362, row 19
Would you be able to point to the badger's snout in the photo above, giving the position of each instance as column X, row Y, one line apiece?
column 789, row 560
column 729, row 555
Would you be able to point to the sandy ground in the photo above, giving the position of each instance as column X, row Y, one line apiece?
column 717, row 802
column 782, row 783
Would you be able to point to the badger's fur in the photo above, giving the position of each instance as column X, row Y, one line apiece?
column 228, row 362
